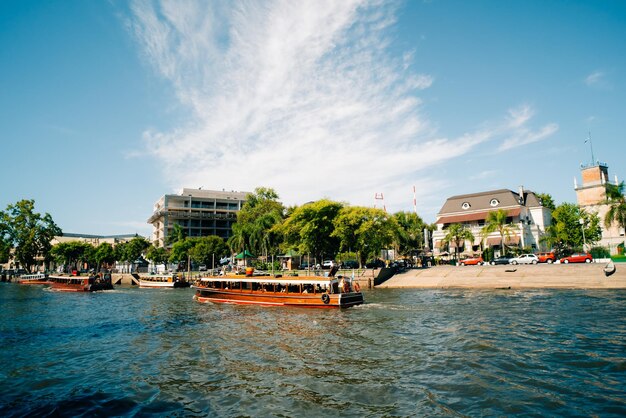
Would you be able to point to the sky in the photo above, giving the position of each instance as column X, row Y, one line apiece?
column 105, row 106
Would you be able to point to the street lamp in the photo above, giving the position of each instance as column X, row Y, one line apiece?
column 189, row 221
column 581, row 221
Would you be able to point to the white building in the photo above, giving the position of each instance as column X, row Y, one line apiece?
column 198, row 212
column 526, row 214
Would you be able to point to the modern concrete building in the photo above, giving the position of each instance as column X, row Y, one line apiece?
column 198, row 212
column 526, row 214
column 591, row 194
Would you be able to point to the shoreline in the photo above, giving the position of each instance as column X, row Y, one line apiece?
column 541, row 276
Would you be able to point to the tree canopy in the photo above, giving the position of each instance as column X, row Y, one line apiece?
column 257, row 221
column 458, row 234
column 497, row 222
column 27, row 232
column 565, row 234
column 310, row 228
column 616, row 215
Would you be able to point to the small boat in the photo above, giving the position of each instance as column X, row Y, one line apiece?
column 81, row 283
column 161, row 281
column 609, row 268
column 302, row 291
column 37, row 278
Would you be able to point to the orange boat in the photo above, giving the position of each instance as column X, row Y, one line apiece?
column 37, row 278
column 304, row 291
column 81, row 283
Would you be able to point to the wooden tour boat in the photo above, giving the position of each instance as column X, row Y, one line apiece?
column 160, row 281
column 37, row 278
column 303, row 291
column 81, row 283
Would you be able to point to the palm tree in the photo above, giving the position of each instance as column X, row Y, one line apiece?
column 497, row 221
column 458, row 233
column 617, row 205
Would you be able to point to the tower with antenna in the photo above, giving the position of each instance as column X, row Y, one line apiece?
column 379, row 196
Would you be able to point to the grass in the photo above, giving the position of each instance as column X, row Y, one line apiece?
column 619, row 258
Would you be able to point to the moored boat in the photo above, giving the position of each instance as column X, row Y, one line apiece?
column 37, row 278
column 157, row 281
column 81, row 283
column 303, row 291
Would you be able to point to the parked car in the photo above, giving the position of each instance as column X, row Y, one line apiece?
column 525, row 259
column 577, row 258
column 505, row 259
column 547, row 257
column 350, row 264
column 327, row 264
column 378, row 263
column 202, row 267
column 476, row 261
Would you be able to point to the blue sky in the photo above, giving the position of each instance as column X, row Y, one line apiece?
column 107, row 105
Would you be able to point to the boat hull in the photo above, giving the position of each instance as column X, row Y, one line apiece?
column 79, row 284
column 163, row 285
column 315, row 300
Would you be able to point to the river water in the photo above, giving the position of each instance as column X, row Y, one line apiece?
column 138, row 352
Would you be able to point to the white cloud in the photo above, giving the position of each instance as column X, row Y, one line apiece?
column 595, row 78
column 300, row 96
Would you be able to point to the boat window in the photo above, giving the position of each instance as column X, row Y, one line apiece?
column 293, row 288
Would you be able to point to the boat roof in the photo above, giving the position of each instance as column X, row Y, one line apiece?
column 274, row 280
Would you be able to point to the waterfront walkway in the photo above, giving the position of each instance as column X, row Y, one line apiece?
column 542, row 276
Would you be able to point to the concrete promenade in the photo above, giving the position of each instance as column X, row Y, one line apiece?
column 541, row 276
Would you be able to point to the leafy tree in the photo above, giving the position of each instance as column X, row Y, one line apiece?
column 497, row 222
column 72, row 253
column 27, row 231
column 158, row 255
column 365, row 230
column 104, row 254
column 617, row 205
column 207, row 249
column 135, row 248
column 178, row 234
column 310, row 228
column 256, row 224
column 410, row 232
column 565, row 234
column 546, row 200
column 180, row 250
column 457, row 234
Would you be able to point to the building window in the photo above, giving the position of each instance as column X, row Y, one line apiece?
column 494, row 202
column 466, row 205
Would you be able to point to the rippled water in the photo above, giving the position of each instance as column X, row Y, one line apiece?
column 404, row 353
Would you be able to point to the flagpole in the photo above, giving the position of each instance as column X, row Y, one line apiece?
column 593, row 160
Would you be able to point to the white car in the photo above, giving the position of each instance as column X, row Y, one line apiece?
column 327, row 264
column 525, row 259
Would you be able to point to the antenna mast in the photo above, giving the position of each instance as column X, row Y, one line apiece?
column 414, row 201
column 593, row 160
column 379, row 196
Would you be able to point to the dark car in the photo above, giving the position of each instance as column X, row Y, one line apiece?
column 350, row 264
column 505, row 259
column 378, row 263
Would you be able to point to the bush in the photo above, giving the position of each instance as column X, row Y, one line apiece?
column 599, row 252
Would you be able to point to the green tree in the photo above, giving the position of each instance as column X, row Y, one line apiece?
column 104, row 254
column 27, row 232
column 457, row 234
column 178, row 234
column 158, row 255
column 617, row 205
column 565, row 234
column 207, row 249
column 180, row 250
column 72, row 254
column 131, row 250
column 256, row 227
column 410, row 233
column 365, row 230
column 497, row 222
column 310, row 228
column 546, row 200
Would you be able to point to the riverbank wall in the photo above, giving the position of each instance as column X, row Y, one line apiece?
column 541, row 276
